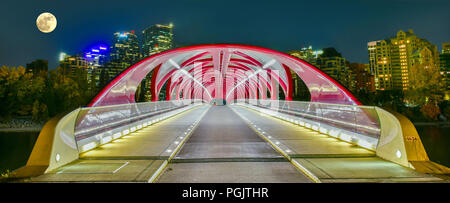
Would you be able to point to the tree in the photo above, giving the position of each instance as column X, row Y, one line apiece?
column 67, row 92
column 330, row 52
column 366, row 97
column 430, row 111
column 447, row 112
column 390, row 99
column 40, row 95
column 17, row 88
column 103, row 78
column 425, row 82
column 38, row 67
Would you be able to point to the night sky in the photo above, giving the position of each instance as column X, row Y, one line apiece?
column 279, row 25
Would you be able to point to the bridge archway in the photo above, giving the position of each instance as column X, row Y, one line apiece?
column 225, row 72
column 222, row 72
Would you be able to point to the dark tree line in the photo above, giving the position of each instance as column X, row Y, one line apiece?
column 39, row 94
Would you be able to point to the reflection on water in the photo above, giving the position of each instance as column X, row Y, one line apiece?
column 436, row 141
column 15, row 148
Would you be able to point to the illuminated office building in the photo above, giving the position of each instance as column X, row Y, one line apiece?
column 96, row 57
column 37, row 67
column 74, row 66
column 156, row 39
column 333, row 65
column 444, row 59
column 125, row 49
column 124, row 52
column 337, row 68
column 307, row 54
column 362, row 79
column 391, row 59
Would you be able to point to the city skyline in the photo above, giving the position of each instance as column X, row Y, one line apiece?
column 209, row 91
column 316, row 27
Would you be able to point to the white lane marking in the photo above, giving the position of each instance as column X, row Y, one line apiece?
column 126, row 163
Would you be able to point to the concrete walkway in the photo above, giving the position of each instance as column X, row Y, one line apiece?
column 329, row 159
column 132, row 158
column 223, row 148
column 224, row 144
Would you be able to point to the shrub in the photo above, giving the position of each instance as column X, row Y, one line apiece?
column 430, row 111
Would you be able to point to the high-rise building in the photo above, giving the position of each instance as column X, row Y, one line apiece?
column 124, row 49
column 362, row 79
column 337, row 68
column 307, row 54
column 390, row 59
column 124, row 52
column 156, row 39
column 444, row 59
column 328, row 60
column 37, row 67
column 300, row 90
column 446, row 48
column 333, row 64
column 96, row 56
column 74, row 66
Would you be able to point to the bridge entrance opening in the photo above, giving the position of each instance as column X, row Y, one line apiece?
column 218, row 102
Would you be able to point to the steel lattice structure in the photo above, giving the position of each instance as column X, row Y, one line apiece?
column 222, row 71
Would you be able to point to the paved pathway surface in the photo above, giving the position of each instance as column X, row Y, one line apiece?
column 225, row 144
column 132, row 158
column 223, row 148
column 328, row 158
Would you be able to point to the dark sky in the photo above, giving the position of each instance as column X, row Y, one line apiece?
column 280, row 25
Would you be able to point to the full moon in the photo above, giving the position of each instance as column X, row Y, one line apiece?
column 46, row 22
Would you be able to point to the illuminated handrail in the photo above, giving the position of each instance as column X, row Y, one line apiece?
column 358, row 114
column 93, row 123
column 352, row 123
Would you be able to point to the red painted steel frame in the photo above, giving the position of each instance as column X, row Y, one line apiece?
column 223, row 62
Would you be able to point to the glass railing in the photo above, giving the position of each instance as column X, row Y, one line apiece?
column 98, row 125
column 348, row 122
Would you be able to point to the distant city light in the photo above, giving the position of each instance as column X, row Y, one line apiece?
column 318, row 52
column 61, row 56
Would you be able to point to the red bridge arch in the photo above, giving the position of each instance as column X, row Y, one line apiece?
column 224, row 71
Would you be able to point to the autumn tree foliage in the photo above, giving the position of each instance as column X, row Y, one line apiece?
column 430, row 111
column 39, row 95
column 18, row 92
column 426, row 86
column 425, row 82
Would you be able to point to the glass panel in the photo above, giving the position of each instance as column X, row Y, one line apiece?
column 95, row 120
column 361, row 120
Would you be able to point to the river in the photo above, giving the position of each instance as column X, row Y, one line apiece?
column 436, row 141
column 15, row 148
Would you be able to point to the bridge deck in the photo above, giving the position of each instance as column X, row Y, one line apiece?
column 135, row 157
column 223, row 148
column 222, row 134
column 329, row 159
